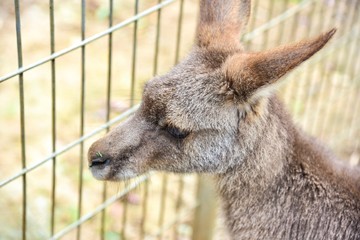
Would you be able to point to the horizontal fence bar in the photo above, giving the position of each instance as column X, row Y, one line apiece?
column 102, row 206
column 71, row 145
column 277, row 20
column 87, row 40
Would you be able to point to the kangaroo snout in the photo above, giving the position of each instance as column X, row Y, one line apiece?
column 116, row 155
column 99, row 160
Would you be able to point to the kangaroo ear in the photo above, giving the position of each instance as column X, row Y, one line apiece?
column 252, row 75
column 221, row 22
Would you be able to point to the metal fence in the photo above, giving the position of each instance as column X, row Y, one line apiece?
column 70, row 70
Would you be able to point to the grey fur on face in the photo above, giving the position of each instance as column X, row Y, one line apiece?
column 216, row 112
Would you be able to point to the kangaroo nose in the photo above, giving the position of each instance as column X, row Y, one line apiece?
column 99, row 162
column 98, row 159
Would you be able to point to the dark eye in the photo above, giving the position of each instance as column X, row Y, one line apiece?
column 177, row 133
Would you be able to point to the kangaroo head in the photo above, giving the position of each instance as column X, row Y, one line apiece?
column 201, row 115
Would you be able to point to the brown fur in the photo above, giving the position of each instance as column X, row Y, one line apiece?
column 215, row 112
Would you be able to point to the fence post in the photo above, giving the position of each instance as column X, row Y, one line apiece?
column 205, row 213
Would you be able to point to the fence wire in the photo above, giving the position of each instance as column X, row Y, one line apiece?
column 99, row 54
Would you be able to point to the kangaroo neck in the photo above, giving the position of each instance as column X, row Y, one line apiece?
column 245, row 188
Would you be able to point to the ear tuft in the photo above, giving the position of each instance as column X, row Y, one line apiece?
column 329, row 34
column 250, row 73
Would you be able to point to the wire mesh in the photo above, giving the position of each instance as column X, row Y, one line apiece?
column 66, row 98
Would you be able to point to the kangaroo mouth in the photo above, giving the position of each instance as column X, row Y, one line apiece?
column 100, row 172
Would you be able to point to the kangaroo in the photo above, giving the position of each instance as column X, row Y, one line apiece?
column 217, row 112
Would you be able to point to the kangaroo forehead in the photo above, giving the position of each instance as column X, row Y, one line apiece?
column 187, row 101
column 184, row 86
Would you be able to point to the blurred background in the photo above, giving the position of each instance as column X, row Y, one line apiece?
column 70, row 70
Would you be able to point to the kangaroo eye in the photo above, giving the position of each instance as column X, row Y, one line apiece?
column 177, row 133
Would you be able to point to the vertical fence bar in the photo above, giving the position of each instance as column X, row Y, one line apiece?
column 253, row 21
column 290, row 87
column 350, row 69
column 162, row 205
column 124, row 219
column 323, row 73
column 312, row 69
column 353, row 122
column 302, row 81
column 265, row 38
column 334, row 79
column 109, row 75
column 282, row 26
column 346, row 53
column 132, row 101
column 155, row 71
column 322, row 69
column 22, row 116
column 179, row 31
column 144, row 209
column 108, row 107
column 178, row 203
column 82, row 115
column 356, row 60
column 352, row 98
column 157, row 41
column 134, row 50
column 205, row 213
column 355, row 104
column 53, row 116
